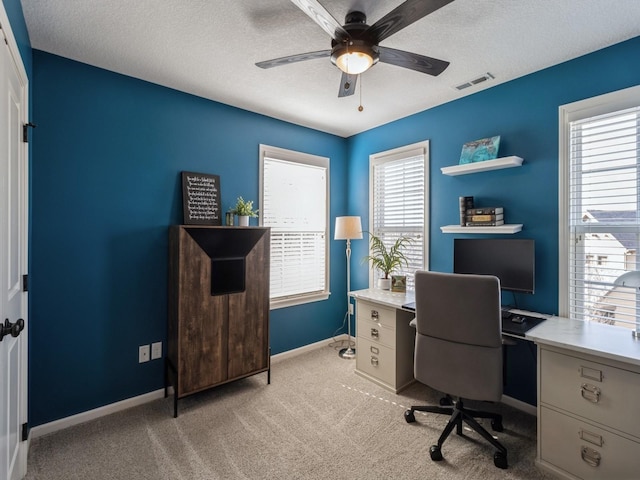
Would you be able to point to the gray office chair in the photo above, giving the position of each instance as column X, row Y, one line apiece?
column 458, row 350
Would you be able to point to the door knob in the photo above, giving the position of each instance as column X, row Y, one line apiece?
column 12, row 329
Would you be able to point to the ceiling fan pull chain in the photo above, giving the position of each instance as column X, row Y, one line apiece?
column 360, row 108
column 347, row 57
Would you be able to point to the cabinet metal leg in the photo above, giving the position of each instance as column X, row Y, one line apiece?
column 166, row 377
column 269, row 371
column 170, row 369
column 175, row 404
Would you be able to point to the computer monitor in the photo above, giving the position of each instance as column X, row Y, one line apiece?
column 511, row 260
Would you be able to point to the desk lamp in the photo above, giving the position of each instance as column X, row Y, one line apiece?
column 348, row 228
column 630, row 280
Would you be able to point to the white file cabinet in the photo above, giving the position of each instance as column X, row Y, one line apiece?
column 384, row 344
column 588, row 415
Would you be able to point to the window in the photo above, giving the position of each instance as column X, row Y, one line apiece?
column 599, row 209
column 294, row 192
column 398, row 195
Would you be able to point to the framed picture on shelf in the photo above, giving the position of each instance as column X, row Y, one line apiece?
column 480, row 150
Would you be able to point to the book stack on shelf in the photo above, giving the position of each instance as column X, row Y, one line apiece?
column 484, row 217
column 466, row 203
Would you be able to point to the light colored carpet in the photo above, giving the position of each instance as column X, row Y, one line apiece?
column 317, row 420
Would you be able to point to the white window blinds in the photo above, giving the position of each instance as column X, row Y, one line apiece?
column 604, row 218
column 398, row 196
column 294, row 205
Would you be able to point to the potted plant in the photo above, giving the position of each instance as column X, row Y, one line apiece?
column 387, row 260
column 244, row 210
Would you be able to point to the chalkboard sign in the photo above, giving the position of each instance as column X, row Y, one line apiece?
column 201, row 199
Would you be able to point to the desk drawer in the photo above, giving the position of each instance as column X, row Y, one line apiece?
column 376, row 360
column 596, row 391
column 586, row 451
column 376, row 313
column 377, row 333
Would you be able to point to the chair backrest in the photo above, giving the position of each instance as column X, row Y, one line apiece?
column 458, row 338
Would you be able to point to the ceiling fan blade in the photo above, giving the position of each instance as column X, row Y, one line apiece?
column 402, row 16
column 413, row 61
column 347, row 85
column 301, row 57
column 323, row 18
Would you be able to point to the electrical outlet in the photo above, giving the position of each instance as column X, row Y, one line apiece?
column 350, row 308
column 143, row 353
column 156, row 350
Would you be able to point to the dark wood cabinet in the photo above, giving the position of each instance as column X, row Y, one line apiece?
column 218, row 306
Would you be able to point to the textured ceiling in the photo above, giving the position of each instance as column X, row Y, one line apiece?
column 209, row 48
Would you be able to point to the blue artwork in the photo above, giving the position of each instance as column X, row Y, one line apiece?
column 480, row 150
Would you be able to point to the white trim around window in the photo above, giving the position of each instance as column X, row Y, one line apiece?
column 294, row 202
column 399, row 202
column 572, row 114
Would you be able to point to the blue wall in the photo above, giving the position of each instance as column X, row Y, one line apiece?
column 107, row 156
column 19, row 29
column 525, row 113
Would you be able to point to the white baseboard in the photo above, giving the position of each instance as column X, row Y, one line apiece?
column 307, row 348
column 67, row 422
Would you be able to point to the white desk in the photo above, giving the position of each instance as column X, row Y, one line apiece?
column 588, row 384
column 385, row 342
column 384, row 339
column 588, row 396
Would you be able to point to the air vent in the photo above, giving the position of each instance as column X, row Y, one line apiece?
column 475, row 81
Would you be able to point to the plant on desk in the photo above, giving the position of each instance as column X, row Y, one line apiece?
column 386, row 260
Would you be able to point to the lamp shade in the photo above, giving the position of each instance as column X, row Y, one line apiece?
column 628, row 279
column 348, row 228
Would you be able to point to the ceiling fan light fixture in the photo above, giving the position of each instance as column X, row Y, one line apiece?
column 354, row 59
column 354, row 63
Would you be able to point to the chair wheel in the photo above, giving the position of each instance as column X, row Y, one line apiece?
column 409, row 416
column 446, row 402
column 436, row 453
column 499, row 460
column 496, row 425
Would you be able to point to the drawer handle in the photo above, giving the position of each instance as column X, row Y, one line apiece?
column 375, row 333
column 375, row 350
column 374, row 315
column 590, row 392
column 590, row 456
column 591, row 437
column 374, row 361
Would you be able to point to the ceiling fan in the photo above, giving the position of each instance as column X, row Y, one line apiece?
column 355, row 45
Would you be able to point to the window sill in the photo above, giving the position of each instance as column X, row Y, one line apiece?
column 300, row 300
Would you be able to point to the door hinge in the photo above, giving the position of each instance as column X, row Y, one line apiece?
column 25, row 432
column 25, row 131
column 25, row 283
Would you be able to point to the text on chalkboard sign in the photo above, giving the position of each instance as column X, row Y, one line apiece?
column 201, row 199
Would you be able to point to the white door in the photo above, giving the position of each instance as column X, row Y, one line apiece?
column 13, row 261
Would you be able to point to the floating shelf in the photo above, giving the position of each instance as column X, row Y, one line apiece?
column 475, row 167
column 511, row 228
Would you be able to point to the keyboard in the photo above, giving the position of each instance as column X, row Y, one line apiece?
column 512, row 323
column 519, row 324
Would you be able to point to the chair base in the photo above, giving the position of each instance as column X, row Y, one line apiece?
column 458, row 414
